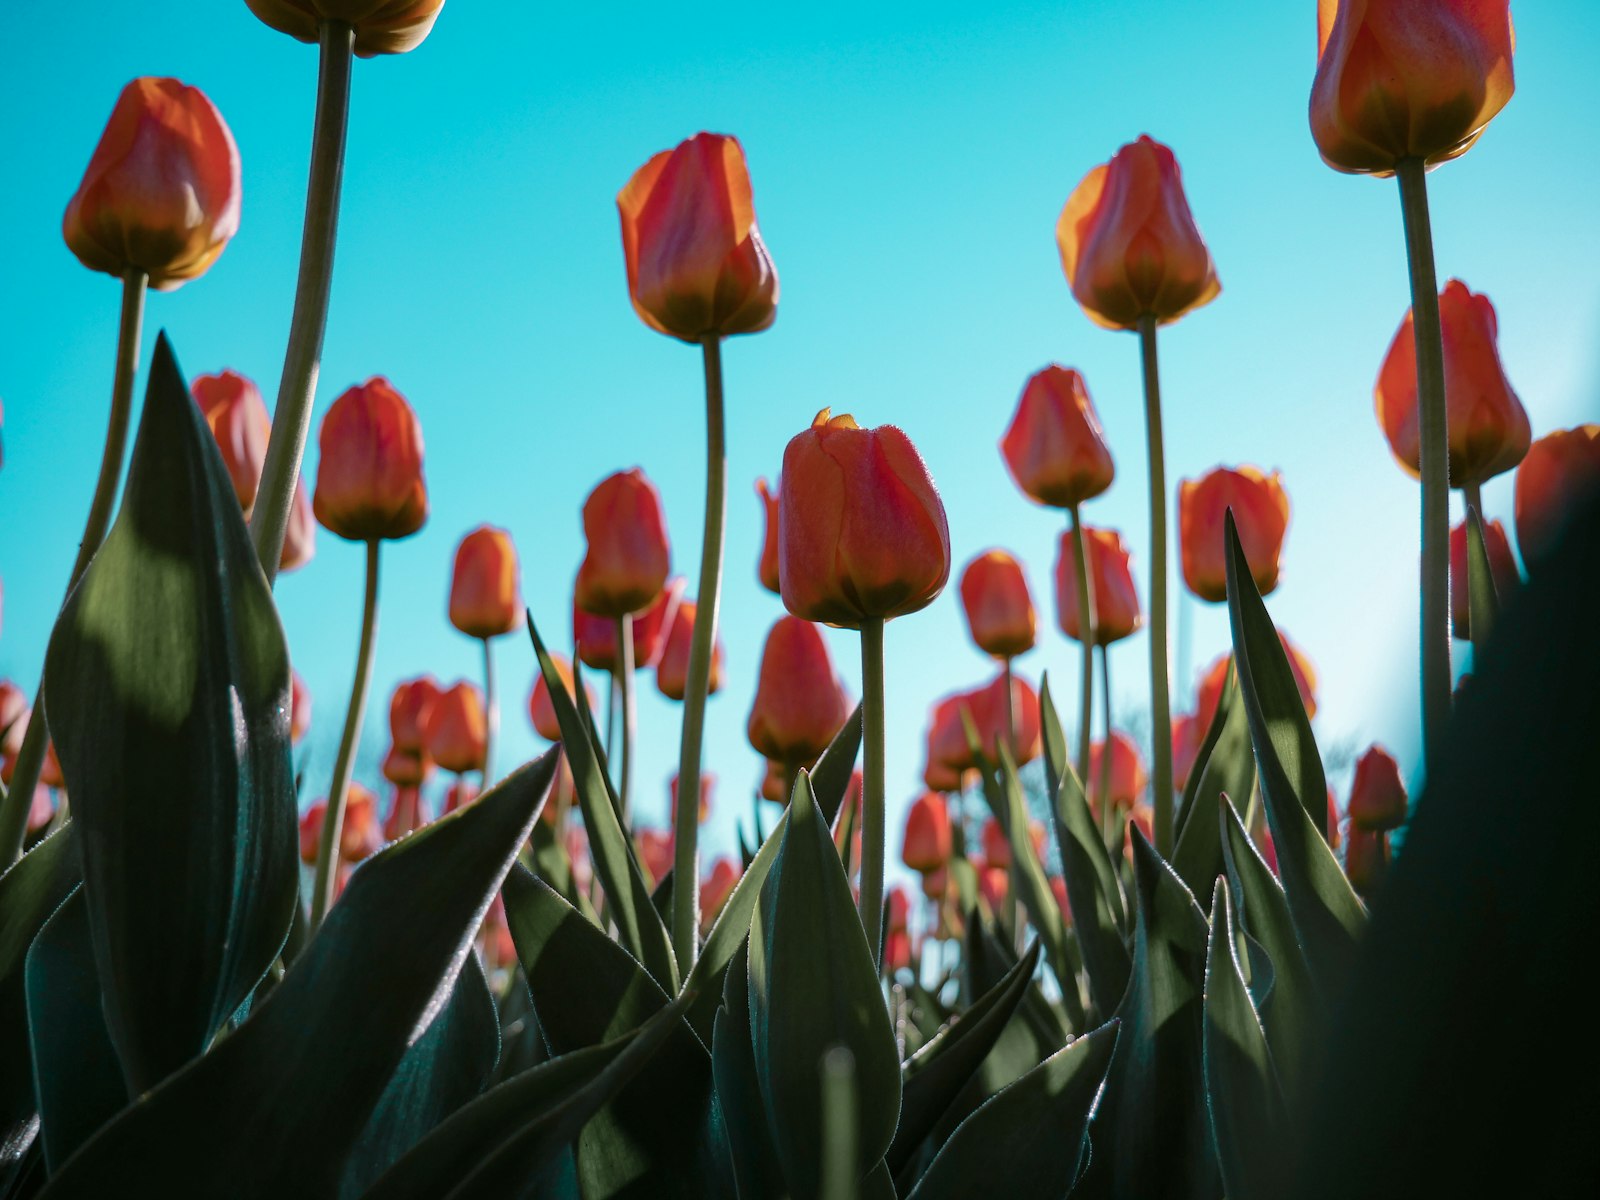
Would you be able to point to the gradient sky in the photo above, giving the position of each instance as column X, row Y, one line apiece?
column 909, row 162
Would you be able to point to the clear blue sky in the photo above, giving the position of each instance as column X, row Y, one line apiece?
column 909, row 162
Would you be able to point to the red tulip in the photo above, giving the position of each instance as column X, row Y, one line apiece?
column 716, row 888
column 1129, row 244
column 1377, row 794
column 1400, row 79
column 1366, row 860
column 767, row 568
column 1187, row 735
column 862, row 532
column 1260, row 514
column 41, row 811
column 540, row 711
column 405, row 768
column 994, row 593
column 800, row 704
column 927, row 839
column 311, row 832
column 457, row 729
column 238, row 419
column 936, row 884
column 1560, row 474
column 381, row 26
column 360, row 835
column 996, row 845
column 897, row 951
column 655, row 852
column 697, row 267
column 672, row 672
column 703, row 813
column 898, row 905
column 562, row 796
column 628, row 557
column 994, row 884
column 49, row 769
column 596, row 636
column 949, row 754
column 987, row 708
column 1211, row 683
column 1116, row 600
column 410, row 707
column 161, row 193
column 369, row 479
column 1128, row 777
column 1058, row 889
column 485, row 600
column 1488, row 427
column 300, row 534
column 1054, row 447
column 1502, row 570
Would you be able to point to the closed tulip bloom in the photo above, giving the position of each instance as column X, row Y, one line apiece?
column 716, row 888
column 897, row 951
column 543, row 713
column 161, row 194
column 697, row 266
column 381, row 26
column 862, row 531
column 773, row 780
column 936, row 884
column 1116, row 600
column 1260, row 514
column 300, row 535
column 1187, row 735
column 927, row 842
column 299, row 707
column 994, row 595
column 369, row 477
column 1054, row 447
column 405, row 768
column 767, row 568
column 1400, row 79
column 1129, row 244
column 949, row 754
column 361, row 833
column 898, row 905
column 238, row 419
column 987, row 708
column 410, row 707
column 311, row 831
column 628, row 557
column 994, row 884
column 1558, row 477
column 1211, row 683
column 596, row 636
column 800, row 704
column 1377, row 793
column 1128, row 776
column 672, row 672
column 1488, row 427
column 996, row 844
column 1366, row 860
column 485, row 599
column 1502, row 570
column 456, row 729
column 655, row 852
column 49, row 768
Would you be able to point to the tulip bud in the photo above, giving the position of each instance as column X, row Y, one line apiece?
column 1488, row 427
column 672, row 672
column 994, row 885
column 485, row 600
column 800, row 704
column 994, row 593
column 405, row 768
column 655, row 852
column 1502, row 570
column 716, row 888
column 996, row 845
column 1558, row 477
column 410, row 707
column 405, row 815
column 936, row 884
column 300, row 534
column 628, row 557
column 161, row 193
column 767, row 568
column 1216, row 676
column 359, row 837
column 1377, row 794
column 927, row 840
column 1399, row 79
column 457, row 729
column 541, row 711
column 1366, row 861
column 949, row 754
column 1129, row 244
column 897, row 951
column 862, row 532
column 898, row 905
column 703, row 811
column 596, row 636
column 238, row 419
column 1054, row 448
column 986, row 707
column 381, row 26
column 1260, row 514
column 311, row 832
column 369, row 478
column 1187, row 735
column 1116, row 600
column 697, row 266
column 1128, row 777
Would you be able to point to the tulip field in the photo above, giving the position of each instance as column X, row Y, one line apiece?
column 1110, row 949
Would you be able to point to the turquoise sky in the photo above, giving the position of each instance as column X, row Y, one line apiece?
column 909, row 162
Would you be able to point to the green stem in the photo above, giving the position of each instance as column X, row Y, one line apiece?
column 333, row 815
column 1472, row 493
column 872, row 798
column 1011, row 712
column 629, row 718
column 30, row 755
column 491, row 716
column 291, row 418
column 1088, row 626
column 1160, row 700
column 685, row 866
column 1433, row 451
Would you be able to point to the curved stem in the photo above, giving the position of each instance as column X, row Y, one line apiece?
column 698, row 686
column 1160, row 700
column 30, row 755
column 1472, row 493
column 333, row 815
column 1088, row 626
column 491, row 716
column 1433, row 436
column 629, row 717
column 872, row 803
column 291, row 418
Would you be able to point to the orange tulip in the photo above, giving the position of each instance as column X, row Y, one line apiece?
column 1377, row 794
column 773, row 781
column 1116, row 600
column 1488, row 427
column 767, row 568
column 994, row 594
column 596, row 636
column 410, row 707
column 369, row 478
column 381, row 26
column 1400, row 79
column 716, row 888
column 456, row 729
column 1128, row 776
column 703, row 811
column 1502, row 569
column 300, row 535
column 1187, row 735
column 1211, row 683
column 987, row 707
column 949, row 755
column 238, row 419
column 697, row 267
column 299, row 707
column 1560, row 474
column 1054, row 447
column 672, row 672
column 1129, row 244
column 655, row 852
column 628, row 557
column 360, row 835
column 862, row 532
column 405, row 768
column 543, row 713
column 800, row 704
column 311, row 831
column 1260, row 513
column 927, row 842
column 161, row 193
column 485, row 600
column 405, row 814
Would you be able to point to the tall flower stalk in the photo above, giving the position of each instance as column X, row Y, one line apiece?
column 1088, row 627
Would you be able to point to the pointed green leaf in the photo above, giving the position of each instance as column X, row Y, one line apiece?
column 1225, row 766
column 1483, row 605
column 1094, row 893
column 755, row 1159
column 1056, row 761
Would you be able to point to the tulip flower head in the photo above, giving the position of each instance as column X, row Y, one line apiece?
column 596, row 636
column 541, row 711
column 485, row 599
column 300, row 535
column 238, row 419
column 800, row 704
column 1129, row 244
column 767, row 568
column 381, row 26
column 406, row 768
column 457, row 728
column 1216, row 676
column 716, row 888
column 1116, row 600
column 927, row 841
column 299, row 708
column 1054, row 447
column 1128, row 776
column 655, row 851
column 985, row 707
column 161, row 193
column 1558, row 477
column 949, row 755
column 361, row 834
column 1502, row 570
column 1377, row 794
column 996, row 845
column 999, row 610
column 672, row 672
column 369, row 477
column 410, row 707
column 1260, row 514
column 1187, row 735
column 405, row 814
column 628, row 558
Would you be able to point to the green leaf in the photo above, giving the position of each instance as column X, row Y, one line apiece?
column 756, row 1170
column 167, row 680
column 1094, row 893
column 1027, row 1142
column 639, row 927
column 1483, row 605
column 1225, row 766
column 1327, row 916
column 1056, row 761
column 76, row 1074
column 276, row 1106
column 814, row 985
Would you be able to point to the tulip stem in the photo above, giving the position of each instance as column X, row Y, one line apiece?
column 1107, row 819
column 1011, row 712
column 629, row 718
column 1433, row 452
column 15, row 804
column 291, row 418
column 685, row 899
column 872, row 801
column 1160, row 700
column 1088, row 626
column 1472, row 493
column 333, row 815
column 491, row 716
